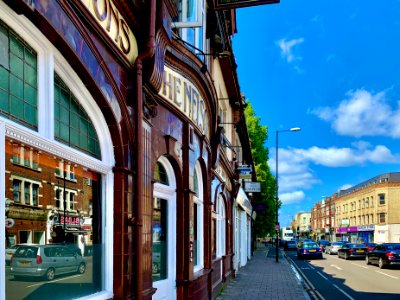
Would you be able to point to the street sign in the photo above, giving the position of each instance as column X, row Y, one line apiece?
column 252, row 187
column 9, row 223
column 277, row 227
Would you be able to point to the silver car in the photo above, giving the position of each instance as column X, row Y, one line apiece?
column 333, row 248
column 45, row 261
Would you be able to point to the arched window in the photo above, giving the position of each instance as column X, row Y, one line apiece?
column 221, row 232
column 164, row 231
column 198, row 217
column 71, row 201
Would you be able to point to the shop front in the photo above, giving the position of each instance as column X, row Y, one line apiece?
column 366, row 233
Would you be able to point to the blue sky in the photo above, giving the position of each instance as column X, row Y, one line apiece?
column 333, row 69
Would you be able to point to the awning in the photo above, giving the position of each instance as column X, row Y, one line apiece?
column 244, row 202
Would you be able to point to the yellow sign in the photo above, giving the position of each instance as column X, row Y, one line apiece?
column 185, row 96
column 109, row 18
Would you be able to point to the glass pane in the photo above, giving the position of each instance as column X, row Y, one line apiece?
column 16, row 86
column 75, row 230
column 30, row 58
column 4, row 47
column 3, row 79
column 16, row 66
column 4, row 106
column 30, row 114
column 17, row 107
column 160, row 174
column 16, row 47
column 30, row 75
column 160, row 239
column 30, row 94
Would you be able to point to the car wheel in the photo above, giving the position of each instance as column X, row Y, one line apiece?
column 346, row 256
column 381, row 264
column 81, row 268
column 367, row 260
column 50, row 274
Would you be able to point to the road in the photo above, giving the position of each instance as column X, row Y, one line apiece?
column 335, row 278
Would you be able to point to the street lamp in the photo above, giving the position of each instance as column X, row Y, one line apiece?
column 277, row 188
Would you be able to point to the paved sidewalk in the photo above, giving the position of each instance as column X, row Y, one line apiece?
column 264, row 278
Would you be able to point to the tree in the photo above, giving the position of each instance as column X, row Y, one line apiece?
column 258, row 135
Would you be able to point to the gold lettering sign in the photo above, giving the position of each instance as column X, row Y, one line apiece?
column 109, row 18
column 185, row 96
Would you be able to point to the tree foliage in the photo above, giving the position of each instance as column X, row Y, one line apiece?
column 258, row 135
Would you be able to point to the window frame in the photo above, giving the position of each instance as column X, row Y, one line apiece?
column 49, row 61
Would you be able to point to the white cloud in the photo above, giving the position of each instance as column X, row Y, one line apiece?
column 295, row 173
column 363, row 114
column 287, row 46
column 293, row 197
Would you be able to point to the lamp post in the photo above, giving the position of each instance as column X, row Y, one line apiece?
column 277, row 189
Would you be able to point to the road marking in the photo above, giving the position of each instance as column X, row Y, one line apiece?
column 335, row 266
column 322, row 275
column 61, row 279
column 394, row 277
column 365, row 267
column 347, row 295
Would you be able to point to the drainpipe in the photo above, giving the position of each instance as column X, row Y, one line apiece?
column 149, row 52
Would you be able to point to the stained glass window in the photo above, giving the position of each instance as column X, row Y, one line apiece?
column 72, row 125
column 18, row 79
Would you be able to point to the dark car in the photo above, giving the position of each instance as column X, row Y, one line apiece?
column 308, row 249
column 370, row 246
column 290, row 245
column 350, row 250
column 323, row 244
column 384, row 255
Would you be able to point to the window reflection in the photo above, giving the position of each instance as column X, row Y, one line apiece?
column 160, row 239
column 53, row 201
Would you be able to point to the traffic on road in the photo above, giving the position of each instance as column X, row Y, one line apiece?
column 353, row 273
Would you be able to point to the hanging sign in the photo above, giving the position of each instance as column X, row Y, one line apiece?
column 252, row 187
column 229, row 4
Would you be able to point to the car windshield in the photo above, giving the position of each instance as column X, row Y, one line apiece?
column 337, row 244
column 310, row 245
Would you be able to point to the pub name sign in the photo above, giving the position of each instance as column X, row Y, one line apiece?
column 114, row 25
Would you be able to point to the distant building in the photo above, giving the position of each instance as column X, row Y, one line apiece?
column 370, row 211
column 323, row 220
column 302, row 224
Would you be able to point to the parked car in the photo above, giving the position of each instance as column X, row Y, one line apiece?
column 370, row 246
column 10, row 251
column 290, row 245
column 333, row 248
column 323, row 244
column 384, row 255
column 351, row 250
column 308, row 249
column 45, row 261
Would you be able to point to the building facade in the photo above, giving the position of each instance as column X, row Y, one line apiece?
column 123, row 127
column 323, row 220
column 369, row 211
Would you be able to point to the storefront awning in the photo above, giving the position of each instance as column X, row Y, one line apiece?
column 244, row 202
